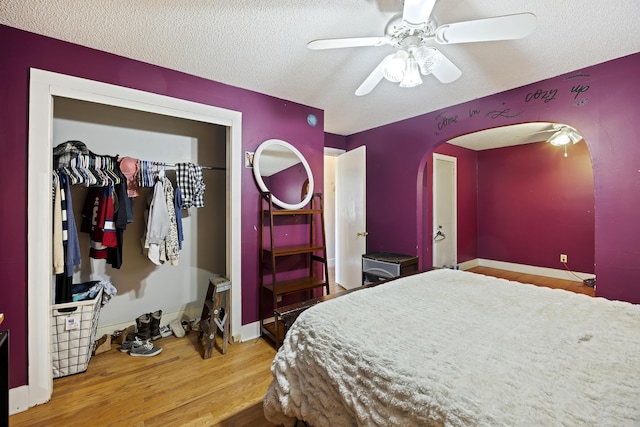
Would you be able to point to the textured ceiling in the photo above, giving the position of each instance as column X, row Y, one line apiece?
column 261, row 45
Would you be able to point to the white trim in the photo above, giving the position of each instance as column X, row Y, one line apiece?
column 333, row 152
column 467, row 265
column 44, row 86
column 18, row 399
column 453, row 160
column 248, row 332
column 527, row 269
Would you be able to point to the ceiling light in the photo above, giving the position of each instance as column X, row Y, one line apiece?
column 427, row 58
column 394, row 66
column 411, row 74
column 564, row 135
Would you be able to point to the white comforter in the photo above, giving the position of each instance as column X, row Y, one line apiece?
column 452, row 348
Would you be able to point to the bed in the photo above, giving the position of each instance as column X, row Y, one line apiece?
column 453, row 348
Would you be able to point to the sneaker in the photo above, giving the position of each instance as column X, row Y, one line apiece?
column 165, row 331
column 176, row 328
column 128, row 343
column 144, row 349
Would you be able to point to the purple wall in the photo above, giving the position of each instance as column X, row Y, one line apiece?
column 600, row 101
column 534, row 204
column 332, row 140
column 263, row 118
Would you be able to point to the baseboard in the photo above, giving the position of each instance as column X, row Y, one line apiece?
column 531, row 269
column 249, row 332
column 469, row 264
column 19, row 399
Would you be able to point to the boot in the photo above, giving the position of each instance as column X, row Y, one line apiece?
column 155, row 325
column 144, row 327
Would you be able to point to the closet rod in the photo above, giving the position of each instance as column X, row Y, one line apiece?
column 173, row 166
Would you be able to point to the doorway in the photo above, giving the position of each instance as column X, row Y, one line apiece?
column 444, row 211
column 351, row 234
column 44, row 86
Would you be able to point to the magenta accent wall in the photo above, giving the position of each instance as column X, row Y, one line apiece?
column 332, row 140
column 263, row 118
column 535, row 204
column 600, row 101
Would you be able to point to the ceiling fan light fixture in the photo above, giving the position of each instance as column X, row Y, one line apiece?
column 394, row 66
column 565, row 135
column 427, row 58
column 411, row 74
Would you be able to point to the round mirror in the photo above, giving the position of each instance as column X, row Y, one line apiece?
column 280, row 169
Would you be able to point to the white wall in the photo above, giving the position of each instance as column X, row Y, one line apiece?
column 330, row 207
column 142, row 286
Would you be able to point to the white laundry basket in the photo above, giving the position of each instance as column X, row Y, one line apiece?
column 73, row 331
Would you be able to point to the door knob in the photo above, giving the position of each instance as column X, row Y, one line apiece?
column 361, row 233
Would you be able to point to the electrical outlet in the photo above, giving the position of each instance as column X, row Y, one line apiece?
column 279, row 299
column 563, row 258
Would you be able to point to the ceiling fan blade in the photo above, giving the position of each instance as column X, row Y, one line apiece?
column 372, row 79
column 446, row 71
column 507, row 27
column 346, row 42
column 417, row 12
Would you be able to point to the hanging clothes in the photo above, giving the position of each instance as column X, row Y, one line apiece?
column 189, row 179
column 157, row 223
column 177, row 204
column 170, row 249
column 58, row 246
column 97, row 220
column 123, row 215
column 71, row 244
column 130, row 168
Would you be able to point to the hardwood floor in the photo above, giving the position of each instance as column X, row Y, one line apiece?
column 549, row 282
column 175, row 388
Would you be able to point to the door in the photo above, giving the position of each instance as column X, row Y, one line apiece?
column 351, row 241
column 444, row 211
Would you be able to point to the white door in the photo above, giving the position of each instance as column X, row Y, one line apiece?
column 444, row 211
column 351, row 230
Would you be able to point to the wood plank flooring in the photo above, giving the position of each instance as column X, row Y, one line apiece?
column 548, row 282
column 178, row 387
column 175, row 388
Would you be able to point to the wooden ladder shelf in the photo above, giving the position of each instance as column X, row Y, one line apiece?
column 278, row 253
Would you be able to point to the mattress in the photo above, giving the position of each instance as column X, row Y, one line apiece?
column 453, row 348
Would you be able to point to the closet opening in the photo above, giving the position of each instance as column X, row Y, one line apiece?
column 142, row 286
column 114, row 120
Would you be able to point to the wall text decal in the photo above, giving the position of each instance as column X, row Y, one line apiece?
column 544, row 95
column 578, row 89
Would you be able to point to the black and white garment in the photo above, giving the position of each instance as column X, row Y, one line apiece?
column 189, row 180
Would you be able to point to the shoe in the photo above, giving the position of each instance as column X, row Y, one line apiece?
column 155, row 324
column 103, row 344
column 144, row 327
column 165, row 331
column 177, row 328
column 144, row 349
column 121, row 335
column 128, row 343
column 186, row 326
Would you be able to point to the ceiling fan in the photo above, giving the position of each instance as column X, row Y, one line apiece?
column 411, row 32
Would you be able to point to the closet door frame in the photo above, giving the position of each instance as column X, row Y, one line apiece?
column 44, row 86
